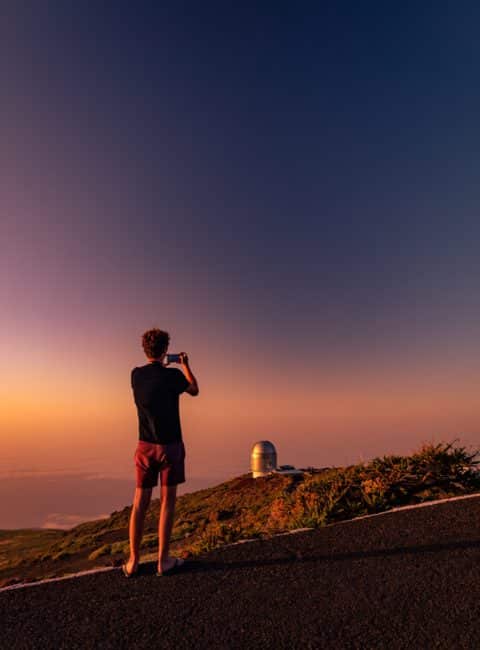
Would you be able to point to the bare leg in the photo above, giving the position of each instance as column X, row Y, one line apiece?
column 168, row 495
column 141, row 502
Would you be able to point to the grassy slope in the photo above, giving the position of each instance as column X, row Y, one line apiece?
column 245, row 508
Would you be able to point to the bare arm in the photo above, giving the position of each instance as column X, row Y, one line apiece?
column 193, row 388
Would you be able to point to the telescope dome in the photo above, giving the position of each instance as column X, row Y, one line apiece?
column 263, row 458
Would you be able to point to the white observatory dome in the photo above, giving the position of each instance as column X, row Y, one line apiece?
column 263, row 458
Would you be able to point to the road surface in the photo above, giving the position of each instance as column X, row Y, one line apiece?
column 407, row 579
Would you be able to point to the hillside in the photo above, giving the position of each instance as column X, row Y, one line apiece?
column 244, row 508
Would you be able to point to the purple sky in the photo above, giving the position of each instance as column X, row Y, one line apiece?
column 293, row 195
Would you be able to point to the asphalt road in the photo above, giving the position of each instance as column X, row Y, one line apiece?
column 408, row 579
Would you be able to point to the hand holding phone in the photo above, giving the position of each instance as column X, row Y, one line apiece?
column 181, row 358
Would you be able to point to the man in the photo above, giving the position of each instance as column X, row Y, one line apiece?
column 160, row 448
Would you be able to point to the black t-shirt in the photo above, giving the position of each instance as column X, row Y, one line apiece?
column 156, row 390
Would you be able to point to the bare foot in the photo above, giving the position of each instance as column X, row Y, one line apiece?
column 131, row 566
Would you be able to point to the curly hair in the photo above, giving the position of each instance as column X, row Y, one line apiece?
column 155, row 342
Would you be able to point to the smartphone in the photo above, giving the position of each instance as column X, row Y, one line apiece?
column 173, row 358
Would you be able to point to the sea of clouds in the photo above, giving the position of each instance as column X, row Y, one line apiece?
column 63, row 499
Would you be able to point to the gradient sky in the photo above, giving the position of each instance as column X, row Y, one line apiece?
column 291, row 190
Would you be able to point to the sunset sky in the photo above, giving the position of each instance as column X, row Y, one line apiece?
column 292, row 191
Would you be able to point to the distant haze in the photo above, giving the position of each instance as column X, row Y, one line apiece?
column 65, row 500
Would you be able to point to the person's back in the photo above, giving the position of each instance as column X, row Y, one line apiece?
column 156, row 391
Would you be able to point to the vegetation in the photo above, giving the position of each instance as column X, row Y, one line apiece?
column 246, row 508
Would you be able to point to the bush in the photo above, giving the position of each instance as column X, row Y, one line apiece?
column 434, row 471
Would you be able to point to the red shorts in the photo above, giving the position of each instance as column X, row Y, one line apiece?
column 167, row 460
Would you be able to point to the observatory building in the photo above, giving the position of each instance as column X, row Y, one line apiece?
column 263, row 460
